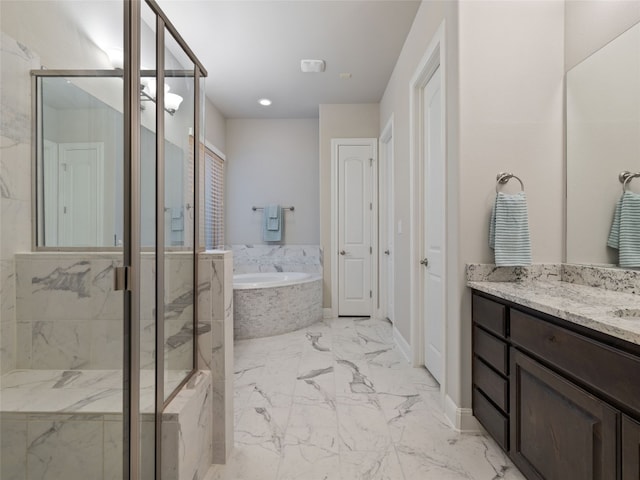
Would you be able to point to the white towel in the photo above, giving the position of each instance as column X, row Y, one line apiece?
column 625, row 230
column 509, row 230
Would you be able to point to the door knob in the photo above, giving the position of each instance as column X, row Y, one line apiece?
column 387, row 252
column 425, row 262
column 342, row 252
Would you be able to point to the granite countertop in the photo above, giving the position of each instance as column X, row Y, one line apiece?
column 612, row 312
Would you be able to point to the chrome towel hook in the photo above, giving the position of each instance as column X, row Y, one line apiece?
column 625, row 177
column 504, row 177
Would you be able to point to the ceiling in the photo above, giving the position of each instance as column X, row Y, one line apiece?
column 252, row 49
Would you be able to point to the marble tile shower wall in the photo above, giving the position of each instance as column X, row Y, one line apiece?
column 82, row 442
column 276, row 258
column 15, row 180
column 215, row 343
column 69, row 317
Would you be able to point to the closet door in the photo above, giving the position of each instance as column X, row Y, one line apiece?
column 355, row 160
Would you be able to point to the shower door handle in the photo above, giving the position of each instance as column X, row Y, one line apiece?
column 121, row 278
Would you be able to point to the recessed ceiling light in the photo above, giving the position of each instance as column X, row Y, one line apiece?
column 265, row 102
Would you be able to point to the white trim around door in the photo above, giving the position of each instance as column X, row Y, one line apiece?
column 372, row 144
column 386, row 236
column 433, row 59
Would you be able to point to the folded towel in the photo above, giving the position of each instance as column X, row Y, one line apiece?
column 271, row 223
column 509, row 230
column 177, row 223
column 625, row 230
column 273, row 214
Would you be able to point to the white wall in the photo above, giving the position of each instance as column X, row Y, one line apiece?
column 272, row 161
column 215, row 126
column 511, row 118
column 504, row 107
column 396, row 101
column 338, row 121
column 591, row 24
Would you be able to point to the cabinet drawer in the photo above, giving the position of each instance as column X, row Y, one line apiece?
column 492, row 385
column 490, row 315
column 492, row 350
column 613, row 373
column 491, row 418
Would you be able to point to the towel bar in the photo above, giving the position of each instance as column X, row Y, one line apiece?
column 625, row 177
column 504, row 177
column 284, row 208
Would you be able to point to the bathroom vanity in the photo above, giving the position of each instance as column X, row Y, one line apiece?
column 556, row 377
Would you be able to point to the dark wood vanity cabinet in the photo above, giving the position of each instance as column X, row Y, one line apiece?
column 572, row 404
column 559, row 431
column 491, row 368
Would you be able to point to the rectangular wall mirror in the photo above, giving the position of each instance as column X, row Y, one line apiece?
column 603, row 140
column 79, row 161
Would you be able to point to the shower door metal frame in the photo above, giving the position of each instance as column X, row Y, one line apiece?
column 132, row 248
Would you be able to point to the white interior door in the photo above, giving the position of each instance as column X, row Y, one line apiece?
column 434, row 227
column 389, row 229
column 80, row 194
column 355, row 252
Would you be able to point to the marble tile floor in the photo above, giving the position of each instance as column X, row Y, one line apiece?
column 337, row 401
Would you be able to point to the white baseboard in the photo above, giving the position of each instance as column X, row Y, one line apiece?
column 462, row 419
column 402, row 344
column 326, row 313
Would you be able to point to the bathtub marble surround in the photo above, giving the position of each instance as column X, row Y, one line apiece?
column 277, row 258
column 337, row 401
column 263, row 312
column 600, row 298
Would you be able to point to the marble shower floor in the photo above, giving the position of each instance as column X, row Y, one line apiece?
column 337, row 401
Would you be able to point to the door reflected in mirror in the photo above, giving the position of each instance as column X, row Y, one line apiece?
column 80, row 167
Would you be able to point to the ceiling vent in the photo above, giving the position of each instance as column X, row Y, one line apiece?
column 312, row 66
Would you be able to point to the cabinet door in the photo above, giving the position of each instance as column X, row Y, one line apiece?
column 559, row 431
column 630, row 449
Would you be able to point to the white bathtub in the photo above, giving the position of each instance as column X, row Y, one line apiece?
column 246, row 281
column 273, row 303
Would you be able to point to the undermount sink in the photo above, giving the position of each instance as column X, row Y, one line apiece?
column 627, row 313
